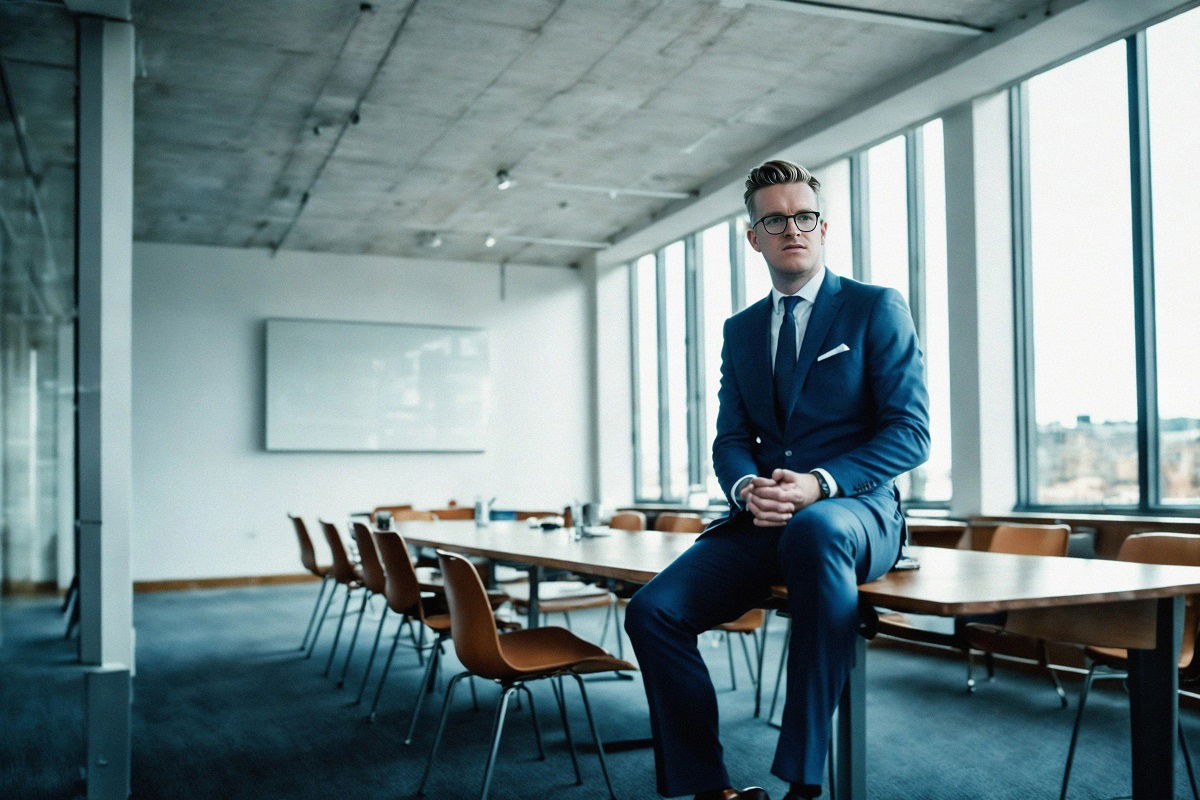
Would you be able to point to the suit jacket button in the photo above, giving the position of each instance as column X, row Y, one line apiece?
column 787, row 452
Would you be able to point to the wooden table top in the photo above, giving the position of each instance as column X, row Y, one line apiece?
column 625, row 555
column 949, row 582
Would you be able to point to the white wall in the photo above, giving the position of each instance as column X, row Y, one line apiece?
column 210, row 501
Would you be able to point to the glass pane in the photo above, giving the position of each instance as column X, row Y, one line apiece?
column 835, row 209
column 931, row 482
column 758, row 279
column 646, row 364
column 718, row 305
column 887, row 214
column 1174, row 108
column 1085, row 390
column 675, row 302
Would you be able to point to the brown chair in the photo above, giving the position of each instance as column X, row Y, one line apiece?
column 628, row 521
column 512, row 661
column 563, row 597
column 375, row 583
column 393, row 510
column 404, row 597
column 985, row 632
column 679, row 523
column 345, row 573
column 1181, row 549
column 308, row 557
column 454, row 512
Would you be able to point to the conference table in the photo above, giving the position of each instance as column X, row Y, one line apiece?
column 1086, row 601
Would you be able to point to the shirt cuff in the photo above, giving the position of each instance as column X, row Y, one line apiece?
column 735, row 495
column 833, row 487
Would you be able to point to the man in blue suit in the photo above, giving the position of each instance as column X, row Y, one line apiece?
column 822, row 405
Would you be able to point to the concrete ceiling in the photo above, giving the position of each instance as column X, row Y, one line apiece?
column 355, row 127
column 244, row 110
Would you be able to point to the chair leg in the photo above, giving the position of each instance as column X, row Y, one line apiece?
column 354, row 639
column 1187, row 760
column 1083, row 695
column 387, row 665
column 537, row 728
column 604, row 630
column 371, row 659
column 1044, row 660
column 338, row 635
column 560, row 698
column 437, row 739
column 317, row 633
column 970, row 670
column 497, row 730
column 619, row 626
column 587, row 707
column 312, row 620
column 426, row 681
column 989, row 661
column 420, row 643
column 787, row 638
column 746, row 653
column 761, row 643
column 732, row 671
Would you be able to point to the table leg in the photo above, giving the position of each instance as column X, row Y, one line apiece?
column 850, row 751
column 535, row 577
column 1154, row 705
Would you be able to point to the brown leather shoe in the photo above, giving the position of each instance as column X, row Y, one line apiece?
column 749, row 793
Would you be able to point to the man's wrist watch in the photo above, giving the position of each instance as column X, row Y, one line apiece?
column 822, row 484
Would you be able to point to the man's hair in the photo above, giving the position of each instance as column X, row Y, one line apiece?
column 775, row 172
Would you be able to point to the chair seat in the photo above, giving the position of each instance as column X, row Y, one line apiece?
column 752, row 620
column 994, row 639
column 558, row 596
column 901, row 626
column 542, row 651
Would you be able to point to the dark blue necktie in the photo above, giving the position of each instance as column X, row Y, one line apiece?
column 785, row 359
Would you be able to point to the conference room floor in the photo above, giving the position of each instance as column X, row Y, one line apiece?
column 225, row 707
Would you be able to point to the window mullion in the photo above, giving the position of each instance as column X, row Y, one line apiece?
column 694, row 351
column 1023, row 297
column 1143, row 274
column 664, row 430
column 635, row 382
column 860, row 224
column 914, row 147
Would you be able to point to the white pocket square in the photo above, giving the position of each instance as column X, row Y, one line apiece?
column 841, row 348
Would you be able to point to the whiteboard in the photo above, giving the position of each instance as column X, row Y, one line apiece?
column 364, row 386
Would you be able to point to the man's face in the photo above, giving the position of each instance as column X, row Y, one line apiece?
column 792, row 256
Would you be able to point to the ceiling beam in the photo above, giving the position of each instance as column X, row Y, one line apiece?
column 859, row 14
column 986, row 64
column 111, row 9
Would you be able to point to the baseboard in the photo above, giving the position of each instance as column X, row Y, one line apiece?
column 11, row 587
column 181, row 584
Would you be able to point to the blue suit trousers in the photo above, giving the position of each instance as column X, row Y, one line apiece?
column 821, row 555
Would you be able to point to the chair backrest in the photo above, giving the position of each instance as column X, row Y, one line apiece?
column 679, row 523
column 454, row 512
column 472, row 625
column 409, row 515
column 308, row 556
column 401, row 587
column 1031, row 540
column 1180, row 549
column 343, row 570
column 628, row 521
column 389, row 509
column 521, row 515
column 374, row 577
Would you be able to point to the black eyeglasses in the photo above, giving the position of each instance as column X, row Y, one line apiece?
column 777, row 223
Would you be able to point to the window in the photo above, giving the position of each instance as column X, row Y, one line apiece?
column 1113, row 398
column 1174, row 107
column 683, row 293
column 887, row 199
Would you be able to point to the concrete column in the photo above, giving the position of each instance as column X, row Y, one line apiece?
column 106, row 61
column 980, row 287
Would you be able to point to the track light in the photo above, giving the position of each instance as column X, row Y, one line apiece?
column 431, row 239
column 489, row 241
column 503, row 181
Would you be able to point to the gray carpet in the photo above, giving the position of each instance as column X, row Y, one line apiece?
column 225, row 707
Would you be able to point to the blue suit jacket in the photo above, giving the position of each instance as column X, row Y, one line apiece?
column 861, row 414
